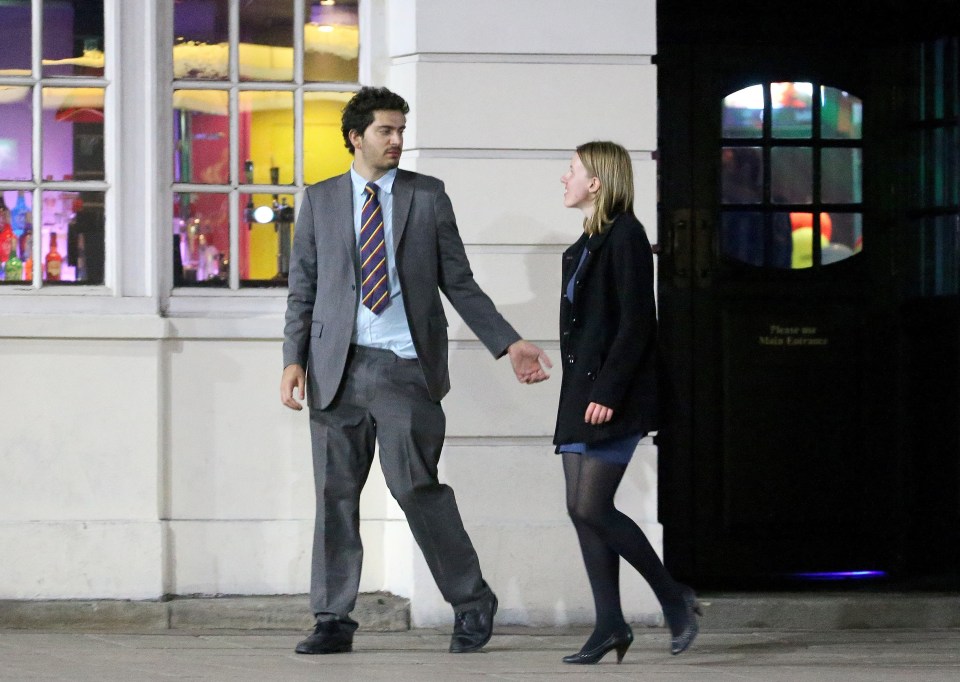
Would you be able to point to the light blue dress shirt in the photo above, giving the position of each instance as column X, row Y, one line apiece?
column 388, row 330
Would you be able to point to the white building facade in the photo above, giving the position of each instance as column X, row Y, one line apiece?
column 145, row 451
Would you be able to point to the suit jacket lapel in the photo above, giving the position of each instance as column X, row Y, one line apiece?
column 343, row 212
column 402, row 200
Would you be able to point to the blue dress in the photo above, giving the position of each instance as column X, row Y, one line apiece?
column 615, row 450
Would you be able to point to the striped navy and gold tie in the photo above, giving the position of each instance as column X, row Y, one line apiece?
column 374, row 286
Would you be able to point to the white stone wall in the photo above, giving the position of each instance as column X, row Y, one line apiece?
column 501, row 93
column 144, row 456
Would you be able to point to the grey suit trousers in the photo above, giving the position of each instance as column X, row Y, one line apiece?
column 384, row 398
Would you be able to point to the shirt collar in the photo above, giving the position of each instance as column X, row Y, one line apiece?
column 385, row 183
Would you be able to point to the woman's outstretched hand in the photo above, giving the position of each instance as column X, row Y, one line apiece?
column 528, row 362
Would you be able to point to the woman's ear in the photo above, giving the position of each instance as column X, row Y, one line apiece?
column 594, row 185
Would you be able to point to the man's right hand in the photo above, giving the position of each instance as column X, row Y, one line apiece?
column 294, row 379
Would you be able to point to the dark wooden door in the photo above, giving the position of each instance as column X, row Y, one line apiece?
column 781, row 149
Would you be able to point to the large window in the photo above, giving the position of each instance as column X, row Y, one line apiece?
column 53, row 182
column 791, row 175
column 257, row 93
column 934, row 236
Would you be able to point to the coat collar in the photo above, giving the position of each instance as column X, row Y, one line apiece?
column 595, row 242
column 403, row 186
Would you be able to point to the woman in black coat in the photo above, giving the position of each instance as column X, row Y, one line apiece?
column 608, row 401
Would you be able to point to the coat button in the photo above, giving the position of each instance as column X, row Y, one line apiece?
column 592, row 376
column 570, row 359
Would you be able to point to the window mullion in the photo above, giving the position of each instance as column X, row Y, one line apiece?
column 36, row 150
column 112, row 235
column 298, row 55
column 234, row 111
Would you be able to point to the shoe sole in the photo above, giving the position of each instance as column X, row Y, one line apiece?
column 340, row 650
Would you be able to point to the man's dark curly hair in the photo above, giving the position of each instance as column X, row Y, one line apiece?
column 358, row 114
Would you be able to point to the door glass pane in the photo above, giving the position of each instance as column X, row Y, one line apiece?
column 200, row 39
column 201, row 240
column 841, row 115
column 841, row 175
column 15, row 32
column 201, row 127
column 841, row 236
column 16, row 133
column 72, row 237
column 791, row 175
column 801, row 225
column 939, row 176
column 266, row 40
column 792, row 114
column 756, row 238
column 331, row 41
column 73, row 134
column 265, row 251
column 324, row 153
column 939, row 256
column 743, row 113
column 72, row 38
column 742, row 176
column 266, row 135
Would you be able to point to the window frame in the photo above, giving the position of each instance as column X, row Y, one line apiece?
column 36, row 82
column 767, row 142
column 236, row 300
column 130, row 124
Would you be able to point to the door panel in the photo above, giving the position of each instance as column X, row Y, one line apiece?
column 779, row 455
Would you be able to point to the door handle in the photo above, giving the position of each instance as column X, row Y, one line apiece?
column 703, row 251
column 680, row 246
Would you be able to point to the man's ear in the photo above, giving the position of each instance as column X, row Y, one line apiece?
column 355, row 138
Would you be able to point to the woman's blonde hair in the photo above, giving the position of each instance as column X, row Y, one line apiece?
column 609, row 163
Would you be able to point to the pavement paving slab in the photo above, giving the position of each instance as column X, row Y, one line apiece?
column 514, row 653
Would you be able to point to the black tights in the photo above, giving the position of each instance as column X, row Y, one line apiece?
column 605, row 535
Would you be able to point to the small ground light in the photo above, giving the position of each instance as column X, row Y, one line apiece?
column 841, row 575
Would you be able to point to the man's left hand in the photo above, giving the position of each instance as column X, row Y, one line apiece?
column 528, row 362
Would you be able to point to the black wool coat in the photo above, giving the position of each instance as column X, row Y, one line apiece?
column 608, row 335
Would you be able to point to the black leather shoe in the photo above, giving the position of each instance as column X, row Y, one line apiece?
column 682, row 642
column 473, row 628
column 618, row 640
column 329, row 637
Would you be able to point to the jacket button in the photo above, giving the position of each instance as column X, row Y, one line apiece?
column 573, row 319
column 570, row 359
column 591, row 376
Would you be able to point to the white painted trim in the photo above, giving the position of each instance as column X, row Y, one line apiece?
column 519, row 58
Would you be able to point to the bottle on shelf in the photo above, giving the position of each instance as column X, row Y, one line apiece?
column 18, row 214
column 81, row 275
column 26, row 247
column 8, row 239
column 54, row 260
column 14, row 270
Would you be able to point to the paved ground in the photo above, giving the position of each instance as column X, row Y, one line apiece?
column 514, row 653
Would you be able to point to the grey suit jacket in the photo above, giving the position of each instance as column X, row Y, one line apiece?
column 325, row 283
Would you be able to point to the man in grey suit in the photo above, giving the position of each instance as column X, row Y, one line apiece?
column 368, row 341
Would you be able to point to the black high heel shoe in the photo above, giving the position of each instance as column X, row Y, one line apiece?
column 618, row 640
column 682, row 642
